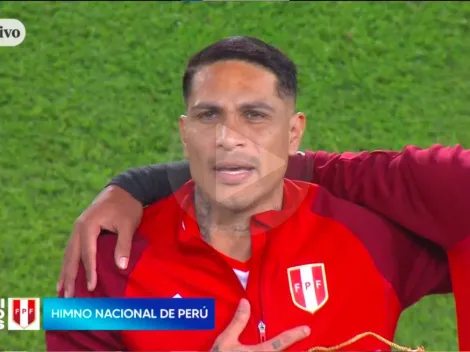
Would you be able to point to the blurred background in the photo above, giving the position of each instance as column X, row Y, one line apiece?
column 95, row 88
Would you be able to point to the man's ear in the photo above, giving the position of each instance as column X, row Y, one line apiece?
column 183, row 119
column 296, row 130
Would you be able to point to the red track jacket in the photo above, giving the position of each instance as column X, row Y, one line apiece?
column 427, row 191
column 321, row 261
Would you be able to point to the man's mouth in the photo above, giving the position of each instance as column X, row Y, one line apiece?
column 233, row 173
column 234, row 169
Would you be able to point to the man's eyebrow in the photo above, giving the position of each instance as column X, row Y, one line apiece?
column 205, row 106
column 245, row 106
column 257, row 105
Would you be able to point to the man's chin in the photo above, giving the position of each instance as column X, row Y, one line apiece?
column 235, row 189
column 234, row 204
column 234, row 196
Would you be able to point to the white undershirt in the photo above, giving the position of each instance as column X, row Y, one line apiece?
column 242, row 276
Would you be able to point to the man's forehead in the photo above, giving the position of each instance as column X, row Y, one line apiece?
column 233, row 81
column 234, row 74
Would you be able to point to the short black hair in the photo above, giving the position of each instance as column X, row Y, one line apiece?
column 247, row 49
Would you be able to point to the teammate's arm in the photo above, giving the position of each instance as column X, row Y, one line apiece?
column 148, row 184
column 425, row 190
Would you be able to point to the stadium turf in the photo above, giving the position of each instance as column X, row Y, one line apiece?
column 95, row 89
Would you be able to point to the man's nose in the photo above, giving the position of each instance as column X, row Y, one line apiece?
column 230, row 134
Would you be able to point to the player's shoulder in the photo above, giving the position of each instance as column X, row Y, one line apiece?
column 296, row 191
column 362, row 223
column 107, row 242
column 357, row 218
column 166, row 210
column 299, row 186
column 112, row 281
column 107, row 262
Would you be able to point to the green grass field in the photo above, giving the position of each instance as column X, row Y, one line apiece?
column 95, row 89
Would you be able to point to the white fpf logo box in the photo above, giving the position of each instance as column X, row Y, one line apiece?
column 24, row 313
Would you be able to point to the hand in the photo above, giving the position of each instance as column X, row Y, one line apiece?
column 113, row 210
column 228, row 339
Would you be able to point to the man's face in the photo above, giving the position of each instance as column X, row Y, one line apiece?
column 238, row 133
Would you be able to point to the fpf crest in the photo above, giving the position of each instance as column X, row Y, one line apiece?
column 308, row 286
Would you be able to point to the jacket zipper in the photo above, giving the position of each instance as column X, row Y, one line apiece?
column 261, row 324
column 262, row 331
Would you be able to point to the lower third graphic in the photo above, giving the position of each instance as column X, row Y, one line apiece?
column 24, row 313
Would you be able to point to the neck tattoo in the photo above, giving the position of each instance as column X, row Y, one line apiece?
column 203, row 214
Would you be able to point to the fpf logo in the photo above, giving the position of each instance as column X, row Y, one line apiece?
column 24, row 313
column 12, row 32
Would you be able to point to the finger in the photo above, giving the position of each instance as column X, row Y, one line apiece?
column 239, row 321
column 284, row 339
column 123, row 247
column 88, row 243
column 61, row 281
column 71, row 262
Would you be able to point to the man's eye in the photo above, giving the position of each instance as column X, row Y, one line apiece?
column 254, row 115
column 208, row 115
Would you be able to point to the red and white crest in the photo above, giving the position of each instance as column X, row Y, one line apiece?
column 308, row 286
column 23, row 313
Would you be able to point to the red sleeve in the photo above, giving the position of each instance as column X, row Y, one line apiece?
column 300, row 166
column 424, row 190
column 111, row 283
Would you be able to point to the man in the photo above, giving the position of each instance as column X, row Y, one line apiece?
column 305, row 260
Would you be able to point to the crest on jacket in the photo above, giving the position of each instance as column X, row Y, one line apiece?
column 308, row 286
